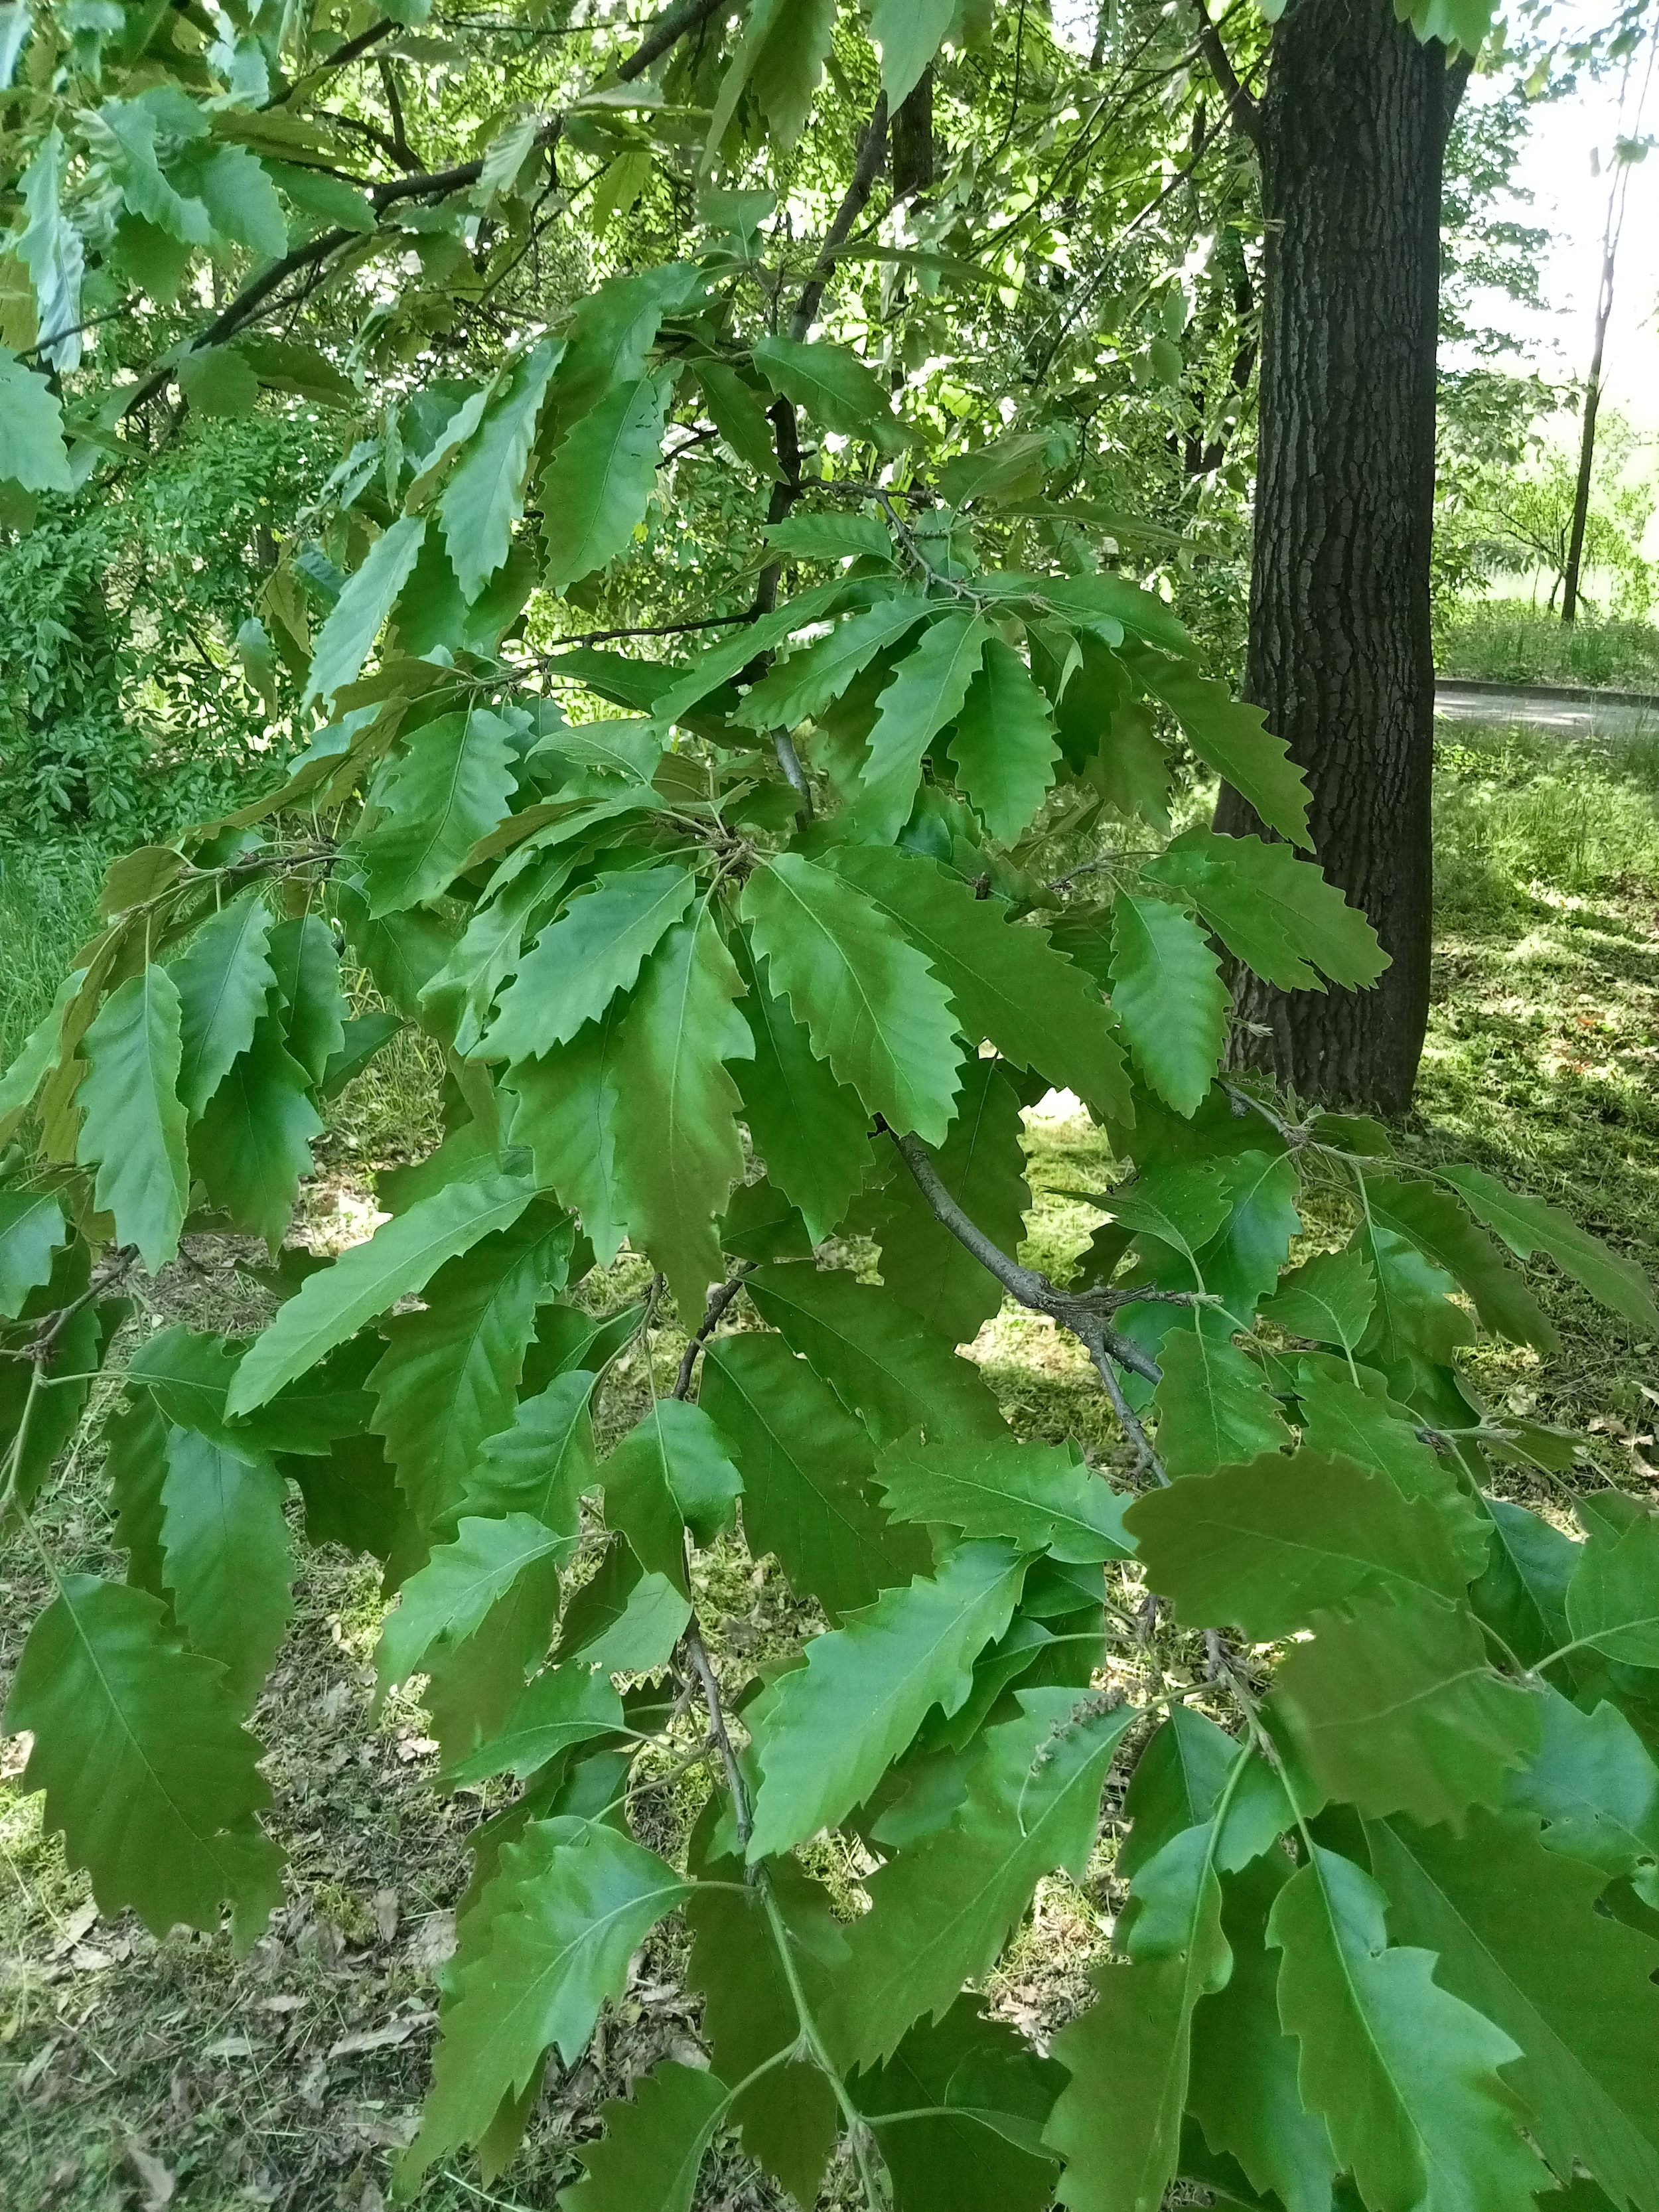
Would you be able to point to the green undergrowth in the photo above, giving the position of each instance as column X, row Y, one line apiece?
column 1507, row 642
column 289, row 2078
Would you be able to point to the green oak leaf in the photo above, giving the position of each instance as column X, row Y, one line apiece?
column 1004, row 748
column 543, row 1461
column 1276, row 913
column 1529, row 1225
column 980, row 1163
column 677, row 1150
column 789, row 2117
column 581, row 961
column 1040, row 1497
column 147, row 1770
column 447, row 785
column 225, row 979
column 653, row 2146
column 1442, row 1231
column 596, row 489
column 566, row 1112
column 1403, row 2072
column 579, row 1901
column 1213, row 1408
column 306, row 965
column 805, row 1463
column 839, row 1723
column 1117, row 2123
column 132, row 1124
column 943, row 1908
column 355, row 620
column 1261, row 1548
column 401, row 1256
column 225, row 1556
column 986, row 2095
column 31, row 1228
column 452, row 1594
column 1243, row 2090
column 1349, row 1411
column 869, row 1000
column 1613, row 1600
column 1168, row 998
column 924, row 697
column 833, row 386
column 483, row 496
column 1519, row 1938
column 1008, row 983
column 1596, row 1786
column 559, row 1708
column 799, row 688
column 449, row 1376
column 251, row 1147
column 1328, row 1299
column 810, row 1128
column 1397, row 1709
column 1228, row 737
column 880, row 1364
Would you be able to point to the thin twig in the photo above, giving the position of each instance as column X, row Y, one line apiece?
column 717, row 1305
column 1106, row 1347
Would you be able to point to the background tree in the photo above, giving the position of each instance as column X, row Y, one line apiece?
column 1351, row 133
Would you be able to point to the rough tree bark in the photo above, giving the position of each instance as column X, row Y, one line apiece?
column 1351, row 132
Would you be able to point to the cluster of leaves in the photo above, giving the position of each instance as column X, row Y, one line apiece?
column 764, row 960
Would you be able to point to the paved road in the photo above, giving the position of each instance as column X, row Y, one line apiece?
column 1569, row 715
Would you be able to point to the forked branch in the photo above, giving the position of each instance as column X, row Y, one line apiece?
column 1079, row 1313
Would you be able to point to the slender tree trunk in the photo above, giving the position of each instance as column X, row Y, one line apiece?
column 1352, row 133
column 1610, row 236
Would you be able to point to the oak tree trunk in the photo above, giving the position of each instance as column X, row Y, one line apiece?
column 1352, row 131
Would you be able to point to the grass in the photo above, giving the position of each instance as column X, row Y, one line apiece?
column 47, row 893
column 250, row 2080
column 1508, row 642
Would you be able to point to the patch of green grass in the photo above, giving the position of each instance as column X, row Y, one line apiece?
column 1508, row 643
column 47, row 894
column 1521, row 817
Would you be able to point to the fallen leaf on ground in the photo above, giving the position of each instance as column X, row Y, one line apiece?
column 229, row 2047
column 380, row 2038
column 433, row 1942
column 74, row 1928
column 158, row 2184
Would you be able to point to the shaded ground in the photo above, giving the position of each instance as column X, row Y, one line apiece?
column 135, row 2073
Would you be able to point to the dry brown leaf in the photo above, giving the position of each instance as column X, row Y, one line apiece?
column 158, row 2182
column 380, row 2038
column 74, row 1928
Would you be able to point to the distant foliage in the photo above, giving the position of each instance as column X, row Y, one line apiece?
column 124, row 706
